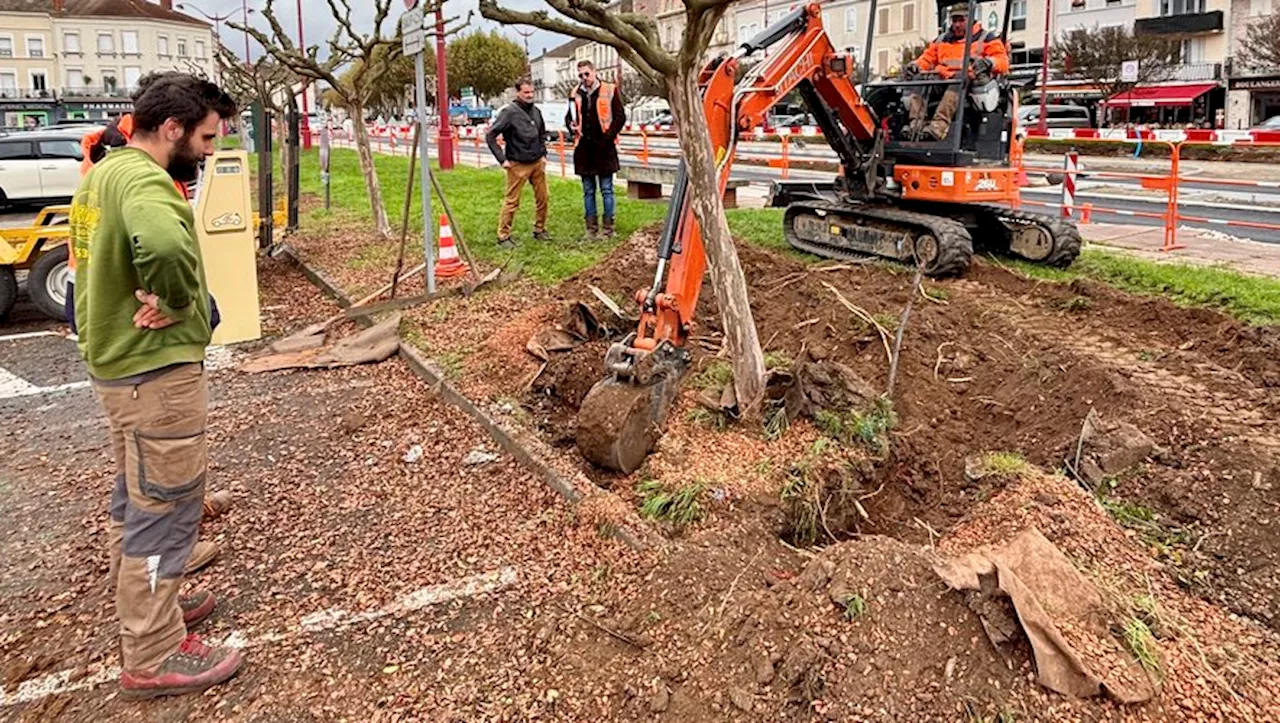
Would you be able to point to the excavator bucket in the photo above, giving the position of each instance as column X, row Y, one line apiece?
column 623, row 415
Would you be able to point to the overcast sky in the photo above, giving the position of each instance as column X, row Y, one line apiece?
column 318, row 23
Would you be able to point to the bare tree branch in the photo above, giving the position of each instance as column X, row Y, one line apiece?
column 541, row 19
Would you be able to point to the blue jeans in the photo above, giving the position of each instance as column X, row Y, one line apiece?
column 589, row 184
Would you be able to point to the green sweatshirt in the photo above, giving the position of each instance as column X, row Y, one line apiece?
column 130, row 229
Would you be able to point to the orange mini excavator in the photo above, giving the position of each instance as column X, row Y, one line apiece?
column 898, row 196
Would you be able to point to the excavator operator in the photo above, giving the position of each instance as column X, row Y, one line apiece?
column 945, row 56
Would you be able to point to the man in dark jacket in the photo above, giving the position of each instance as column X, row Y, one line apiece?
column 596, row 116
column 521, row 127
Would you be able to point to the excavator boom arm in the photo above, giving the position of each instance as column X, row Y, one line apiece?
column 806, row 58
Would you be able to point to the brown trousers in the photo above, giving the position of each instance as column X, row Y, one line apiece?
column 918, row 109
column 161, row 453
column 536, row 174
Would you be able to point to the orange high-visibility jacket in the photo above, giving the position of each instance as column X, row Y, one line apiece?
column 945, row 53
column 604, row 106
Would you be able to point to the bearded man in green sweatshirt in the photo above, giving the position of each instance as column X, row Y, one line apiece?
column 142, row 308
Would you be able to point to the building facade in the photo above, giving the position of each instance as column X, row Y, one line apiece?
column 80, row 59
column 549, row 69
column 1253, row 93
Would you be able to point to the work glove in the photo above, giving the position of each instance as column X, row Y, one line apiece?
column 983, row 67
column 912, row 70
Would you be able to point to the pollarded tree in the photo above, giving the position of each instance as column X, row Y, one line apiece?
column 635, row 37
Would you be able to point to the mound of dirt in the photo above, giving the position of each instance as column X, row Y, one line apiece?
column 991, row 362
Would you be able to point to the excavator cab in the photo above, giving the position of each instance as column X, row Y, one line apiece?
column 982, row 129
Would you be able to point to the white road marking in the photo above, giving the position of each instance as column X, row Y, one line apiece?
column 335, row 618
column 332, row 619
column 12, row 386
column 27, row 335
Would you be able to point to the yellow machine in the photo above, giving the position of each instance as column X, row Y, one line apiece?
column 41, row 250
column 226, row 226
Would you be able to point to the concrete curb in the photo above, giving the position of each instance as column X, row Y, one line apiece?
column 528, row 450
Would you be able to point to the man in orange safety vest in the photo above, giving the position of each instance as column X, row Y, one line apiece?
column 988, row 57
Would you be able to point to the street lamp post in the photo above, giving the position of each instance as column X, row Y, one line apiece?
column 444, row 138
column 215, row 19
column 1043, row 126
column 244, row 7
column 304, row 122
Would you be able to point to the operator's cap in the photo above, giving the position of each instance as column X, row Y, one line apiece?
column 958, row 9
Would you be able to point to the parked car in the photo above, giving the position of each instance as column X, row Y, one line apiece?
column 1270, row 124
column 1059, row 116
column 39, row 166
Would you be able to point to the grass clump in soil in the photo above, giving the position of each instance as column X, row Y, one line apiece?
column 714, row 378
column 855, row 607
column 708, row 418
column 869, row 427
column 1142, row 643
column 1253, row 299
column 678, row 507
column 821, row 494
column 1005, row 464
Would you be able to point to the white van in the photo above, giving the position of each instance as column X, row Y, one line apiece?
column 42, row 166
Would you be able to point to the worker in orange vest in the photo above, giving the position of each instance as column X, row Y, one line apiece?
column 596, row 117
column 988, row 57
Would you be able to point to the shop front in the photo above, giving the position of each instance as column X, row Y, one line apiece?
column 27, row 113
column 1253, row 99
column 1197, row 105
column 95, row 109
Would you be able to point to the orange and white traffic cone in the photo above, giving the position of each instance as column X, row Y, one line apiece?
column 449, row 264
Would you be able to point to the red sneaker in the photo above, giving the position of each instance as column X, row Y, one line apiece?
column 196, row 607
column 195, row 667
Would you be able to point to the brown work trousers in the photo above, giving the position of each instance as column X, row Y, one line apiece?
column 918, row 109
column 536, row 174
column 158, row 437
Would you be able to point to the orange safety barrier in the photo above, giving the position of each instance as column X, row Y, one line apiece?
column 1171, row 185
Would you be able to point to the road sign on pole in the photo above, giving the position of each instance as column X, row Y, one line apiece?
column 428, row 219
column 411, row 27
column 1129, row 71
column 411, row 30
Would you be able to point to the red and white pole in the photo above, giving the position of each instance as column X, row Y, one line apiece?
column 1070, row 166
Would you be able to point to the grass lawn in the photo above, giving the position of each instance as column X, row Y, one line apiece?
column 1254, row 299
column 475, row 195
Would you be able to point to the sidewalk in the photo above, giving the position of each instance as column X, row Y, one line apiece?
column 1203, row 247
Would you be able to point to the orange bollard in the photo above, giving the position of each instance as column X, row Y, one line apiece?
column 786, row 156
column 475, row 142
column 560, row 149
column 1086, row 213
column 644, row 150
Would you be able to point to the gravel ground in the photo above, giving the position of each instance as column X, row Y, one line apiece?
column 357, row 507
column 328, row 515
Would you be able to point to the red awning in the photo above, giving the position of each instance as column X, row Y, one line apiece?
column 1159, row 96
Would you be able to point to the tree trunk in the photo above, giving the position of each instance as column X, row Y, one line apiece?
column 727, row 279
column 380, row 221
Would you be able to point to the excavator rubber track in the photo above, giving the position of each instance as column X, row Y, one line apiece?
column 1059, row 239
column 853, row 231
